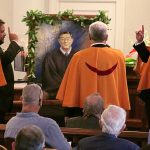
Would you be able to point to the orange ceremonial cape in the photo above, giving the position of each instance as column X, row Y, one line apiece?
column 144, row 70
column 2, row 77
column 95, row 69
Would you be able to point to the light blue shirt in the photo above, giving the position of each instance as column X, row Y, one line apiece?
column 53, row 135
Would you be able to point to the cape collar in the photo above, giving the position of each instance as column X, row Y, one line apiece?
column 100, row 45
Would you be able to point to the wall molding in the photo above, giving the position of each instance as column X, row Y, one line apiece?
column 118, row 14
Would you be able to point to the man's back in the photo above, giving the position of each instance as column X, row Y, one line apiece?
column 106, row 142
column 53, row 136
column 95, row 69
column 91, row 122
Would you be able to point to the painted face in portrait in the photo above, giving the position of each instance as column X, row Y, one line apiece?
column 65, row 41
column 2, row 34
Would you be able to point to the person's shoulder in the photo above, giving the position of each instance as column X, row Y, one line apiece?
column 47, row 121
column 118, row 53
column 81, row 53
column 12, row 120
column 128, row 143
column 87, row 140
column 73, row 119
column 87, row 143
column 50, row 54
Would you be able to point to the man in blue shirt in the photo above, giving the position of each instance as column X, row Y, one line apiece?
column 31, row 103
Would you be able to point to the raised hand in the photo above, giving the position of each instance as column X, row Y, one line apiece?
column 140, row 35
column 12, row 36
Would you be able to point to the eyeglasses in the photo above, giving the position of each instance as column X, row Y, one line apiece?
column 65, row 39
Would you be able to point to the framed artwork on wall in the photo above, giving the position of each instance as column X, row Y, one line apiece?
column 43, row 35
column 48, row 40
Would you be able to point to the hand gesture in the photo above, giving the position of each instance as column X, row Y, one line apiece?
column 12, row 36
column 140, row 35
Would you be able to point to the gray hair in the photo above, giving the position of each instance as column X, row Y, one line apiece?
column 113, row 119
column 98, row 31
column 93, row 105
column 30, row 138
column 32, row 94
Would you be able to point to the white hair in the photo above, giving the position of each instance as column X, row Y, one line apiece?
column 98, row 31
column 113, row 119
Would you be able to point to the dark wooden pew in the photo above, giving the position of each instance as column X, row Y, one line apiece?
column 54, row 110
column 136, row 119
column 75, row 134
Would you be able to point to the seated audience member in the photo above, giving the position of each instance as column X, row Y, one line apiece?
column 31, row 103
column 92, row 109
column 29, row 138
column 113, row 122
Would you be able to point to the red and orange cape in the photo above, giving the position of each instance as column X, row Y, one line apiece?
column 95, row 69
column 144, row 70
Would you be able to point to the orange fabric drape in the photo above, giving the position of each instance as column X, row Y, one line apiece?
column 144, row 70
column 87, row 73
column 2, row 77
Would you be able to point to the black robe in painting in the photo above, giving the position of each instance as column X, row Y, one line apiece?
column 53, row 69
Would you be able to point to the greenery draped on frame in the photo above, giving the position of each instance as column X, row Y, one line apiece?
column 34, row 19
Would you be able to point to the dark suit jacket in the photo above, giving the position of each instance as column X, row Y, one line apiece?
column 7, row 92
column 106, row 142
column 91, row 122
column 142, row 51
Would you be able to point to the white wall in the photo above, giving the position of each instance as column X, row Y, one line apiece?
column 131, row 13
column 6, row 16
column 12, row 12
column 113, row 8
column 136, row 14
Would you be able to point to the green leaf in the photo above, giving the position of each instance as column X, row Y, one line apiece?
column 34, row 18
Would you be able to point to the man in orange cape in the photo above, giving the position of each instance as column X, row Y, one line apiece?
column 143, row 68
column 2, row 77
column 98, row 68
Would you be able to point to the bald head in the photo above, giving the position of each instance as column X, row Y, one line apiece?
column 93, row 105
column 98, row 31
